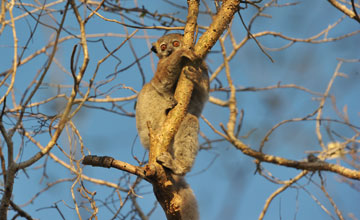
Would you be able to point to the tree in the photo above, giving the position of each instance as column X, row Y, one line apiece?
column 283, row 105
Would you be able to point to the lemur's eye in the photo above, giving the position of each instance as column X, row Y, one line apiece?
column 176, row 43
column 163, row 47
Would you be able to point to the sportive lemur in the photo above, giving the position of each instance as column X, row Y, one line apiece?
column 156, row 99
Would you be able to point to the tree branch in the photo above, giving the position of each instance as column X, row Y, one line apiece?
column 107, row 162
column 345, row 10
column 303, row 165
column 163, row 185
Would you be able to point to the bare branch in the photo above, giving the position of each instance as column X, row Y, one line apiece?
column 286, row 185
column 345, row 10
column 108, row 162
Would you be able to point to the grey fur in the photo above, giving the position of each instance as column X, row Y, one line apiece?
column 157, row 98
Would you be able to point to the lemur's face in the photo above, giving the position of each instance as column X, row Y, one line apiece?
column 167, row 44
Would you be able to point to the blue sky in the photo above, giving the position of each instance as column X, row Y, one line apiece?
column 223, row 179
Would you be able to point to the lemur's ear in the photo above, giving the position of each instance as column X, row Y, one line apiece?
column 153, row 49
